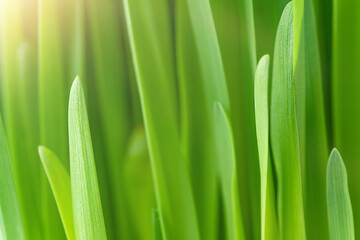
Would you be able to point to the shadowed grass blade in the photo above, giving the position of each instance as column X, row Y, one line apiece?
column 138, row 186
column 87, row 211
column 198, row 146
column 341, row 222
column 234, row 22
column 59, row 179
column 108, row 78
column 228, row 174
column 345, row 92
column 52, row 106
column 150, row 37
column 269, row 227
column 11, row 226
column 284, row 131
column 156, row 225
column 316, row 137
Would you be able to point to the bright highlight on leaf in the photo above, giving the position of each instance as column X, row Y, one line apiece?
column 87, row 210
column 59, row 180
column 269, row 227
column 341, row 222
column 284, row 134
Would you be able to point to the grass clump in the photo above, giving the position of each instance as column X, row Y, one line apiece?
column 194, row 135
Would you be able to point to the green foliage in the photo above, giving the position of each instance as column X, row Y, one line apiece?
column 341, row 222
column 190, row 139
column 11, row 226
column 87, row 210
column 269, row 227
column 228, row 175
column 59, row 179
column 285, row 135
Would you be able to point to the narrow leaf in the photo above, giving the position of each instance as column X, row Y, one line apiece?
column 52, row 106
column 269, row 227
column 60, row 184
column 284, row 131
column 316, row 137
column 228, row 175
column 345, row 92
column 234, row 23
column 88, row 215
column 150, row 36
column 156, row 225
column 10, row 220
column 341, row 222
column 196, row 125
column 138, row 186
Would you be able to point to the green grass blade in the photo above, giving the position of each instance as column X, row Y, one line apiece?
column 283, row 122
column 138, row 186
column 59, row 179
column 341, row 222
column 197, row 146
column 109, row 79
column 228, row 174
column 316, row 136
column 11, row 226
column 150, row 36
column 156, row 225
column 269, row 227
column 52, row 106
column 15, row 80
column 345, row 92
column 234, row 22
column 87, row 211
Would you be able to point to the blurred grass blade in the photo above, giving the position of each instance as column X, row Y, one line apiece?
column 150, row 37
column 11, row 226
column 284, row 125
column 88, row 216
column 18, row 79
column 60, row 184
column 52, row 106
column 196, row 125
column 228, row 175
column 156, row 225
column 138, row 186
column 234, row 23
column 108, row 80
column 316, row 137
column 341, row 222
column 345, row 92
column 269, row 227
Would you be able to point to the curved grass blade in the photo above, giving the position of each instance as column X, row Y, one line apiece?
column 284, row 131
column 87, row 211
column 228, row 174
column 345, row 92
column 59, row 179
column 197, row 146
column 156, row 225
column 150, row 35
column 316, row 136
column 11, row 226
column 269, row 227
column 52, row 107
column 234, row 23
column 108, row 80
column 341, row 222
